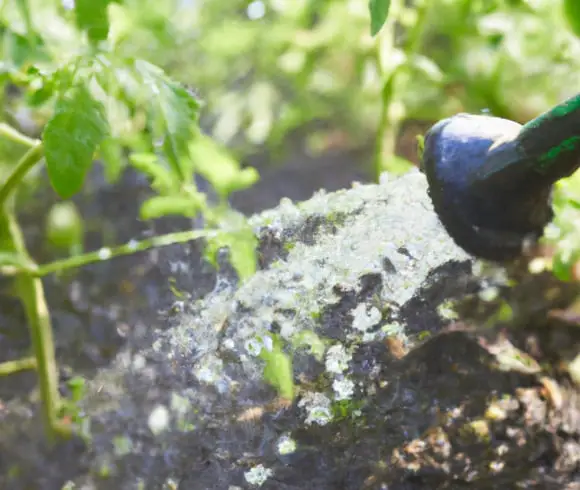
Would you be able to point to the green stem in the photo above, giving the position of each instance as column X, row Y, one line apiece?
column 16, row 136
column 382, row 146
column 109, row 253
column 24, row 9
column 31, row 293
column 388, row 126
column 11, row 367
column 30, row 289
column 24, row 165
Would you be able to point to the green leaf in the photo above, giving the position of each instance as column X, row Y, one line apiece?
column 242, row 247
column 397, row 165
column 278, row 370
column 379, row 10
column 173, row 113
column 243, row 253
column 219, row 168
column 24, row 10
column 420, row 146
column 24, row 49
column 77, row 386
column 71, row 137
column 162, row 180
column 112, row 155
column 41, row 88
column 571, row 10
column 91, row 16
column 158, row 206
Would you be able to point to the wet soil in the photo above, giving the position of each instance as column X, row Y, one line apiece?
column 447, row 414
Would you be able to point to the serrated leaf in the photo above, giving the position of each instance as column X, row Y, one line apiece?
column 71, row 138
column 159, row 206
column 278, row 370
column 173, row 110
column 379, row 10
column 92, row 17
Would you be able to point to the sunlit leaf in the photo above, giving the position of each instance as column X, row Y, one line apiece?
column 162, row 180
column 91, row 16
column 219, row 168
column 242, row 251
column 41, row 87
column 397, row 165
column 112, row 155
column 379, row 10
column 158, row 206
column 278, row 370
column 24, row 9
column 71, row 137
column 24, row 49
column 173, row 110
column 572, row 14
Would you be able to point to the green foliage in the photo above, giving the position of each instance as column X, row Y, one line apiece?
column 278, row 369
column 94, row 100
column 564, row 234
column 91, row 16
column 241, row 242
column 379, row 10
column 571, row 10
column 221, row 170
column 173, row 112
column 71, row 138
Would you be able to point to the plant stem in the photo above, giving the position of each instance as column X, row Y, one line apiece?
column 388, row 127
column 383, row 147
column 16, row 136
column 109, row 253
column 30, row 290
column 32, row 296
column 29, row 160
column 31, row 293
column 11, row 367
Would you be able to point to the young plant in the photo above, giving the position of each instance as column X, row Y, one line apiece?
column 89, row 97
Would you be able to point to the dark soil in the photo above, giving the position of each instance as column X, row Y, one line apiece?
column 428, row 426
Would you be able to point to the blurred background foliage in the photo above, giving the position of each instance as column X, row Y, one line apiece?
column 267, row 69
column 280, row 73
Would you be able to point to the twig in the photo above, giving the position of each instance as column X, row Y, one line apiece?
column 29, row 160
column 107, row 253
column 10, row 367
